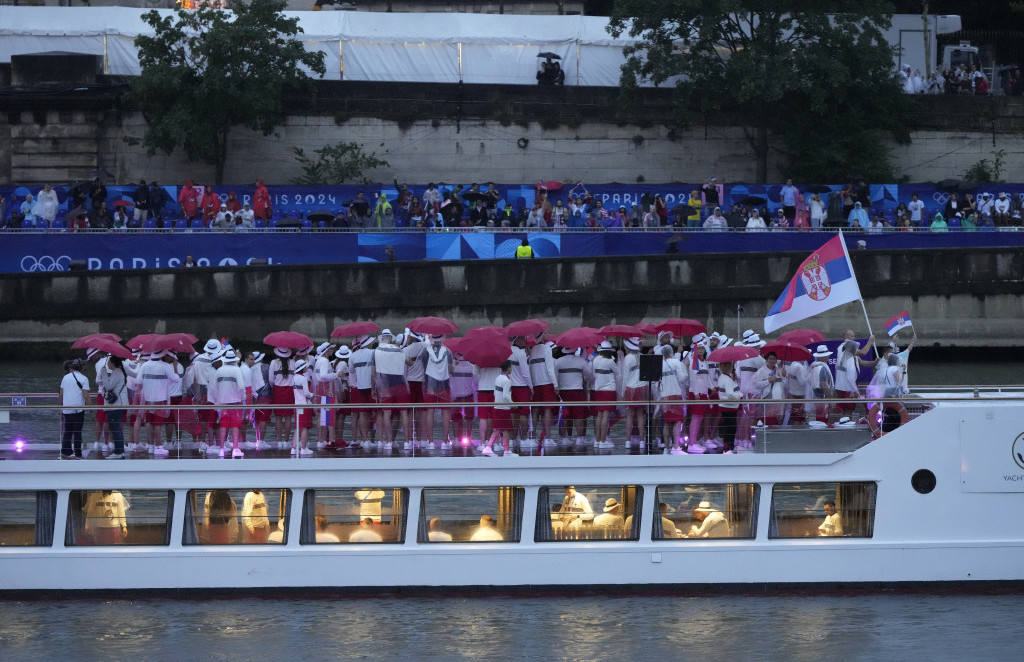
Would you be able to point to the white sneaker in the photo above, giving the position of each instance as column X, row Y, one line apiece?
column 293, row 452
column 250, row 445
column 695, row 449
column 606, row 445
column 281, row 445
column 528, row 443
column 486, row 450
column 107, row 448
column 150, row 448
column 387, row 447
column 237, row 454
column 160, row 451
column 407, row 446
column 306, row 452
column 430, row 446
column 220, row 454
column 566, row 441
column 202, row 446
column 96, row 446
column 212, row 450
column 677, row 451
column 510, row 454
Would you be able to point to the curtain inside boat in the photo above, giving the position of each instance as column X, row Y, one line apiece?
column 46, row 514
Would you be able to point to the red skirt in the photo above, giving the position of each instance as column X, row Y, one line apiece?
column 698, row 409
column 574, row 411
column 262, row 414
column 520, row 394
column 603, row 396
column 673, row 413
column 635, row 394
column 846, row 406
column 101, row 416
column 484, row 396
column 460, row 413
column 359, row 396
column 501, row 419
column 231, row 418
column 283, row 395
column 545, row 393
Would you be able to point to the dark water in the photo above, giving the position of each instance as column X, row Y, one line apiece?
column 888, row 627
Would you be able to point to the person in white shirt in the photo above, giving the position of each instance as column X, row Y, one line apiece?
column 365, row 533
column 99, row 360
column 437, row 363
column 228, row 388
column 391, row 386
column 371, row 503
column 324, row 378
column 605, row 382
column 282, row 367
column 671, row 387
column 916, row 208
column 198, row 383
column 522, row 388
column 796, row 374
column 322, row 534
column 569, row 370
column 255, row 517
column 105, row 520
column 612, row 516
column 545, row 388
column 360, row 389
column 74, row 394
column 832, row 525
column 501, row 415
column 415, row 374
column 158, row 376
column 633, row 390
column 819, row 383
column 485, row 378
column 302, row 396
column 247, row 215
column 716, row 222
column 463, row 390
column 342, row 372
column 729, row 398
column 575, row 509
column 486, row 531
column 712, row 523
column 435, row 533
column 756, row 223
column 699, row 389
column 46, row 205
column 770, row 382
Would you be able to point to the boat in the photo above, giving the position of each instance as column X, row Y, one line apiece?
column 937, row 501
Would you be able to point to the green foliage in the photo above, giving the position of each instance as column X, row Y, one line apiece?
column 820, row 83
column 207, row 71
column 336, row 164
column 987, row 172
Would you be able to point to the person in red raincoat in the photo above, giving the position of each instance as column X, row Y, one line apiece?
column 211, row 205
column 261, row 201
column 232, row 203
column 188, row 199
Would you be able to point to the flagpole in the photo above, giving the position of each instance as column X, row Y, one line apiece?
column 861, row 299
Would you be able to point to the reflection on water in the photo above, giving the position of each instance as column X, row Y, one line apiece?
column 545, row 628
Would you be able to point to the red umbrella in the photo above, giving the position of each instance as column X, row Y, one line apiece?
column 584, row 336
column 122, row 203
column 621, row 331
column 648, row 328
column 732, row 353
column 486, row 327
column 354, row 329
column 111, row 347
column 138, row 341
column 486, row 348
column 787, row 351
column 175, row 342
column 802, row 336
column 530, row 327
column 435, row 326
column 549, row 185
column 85, row 341
column 682, row 327
column 290, row 339
column 454, row 344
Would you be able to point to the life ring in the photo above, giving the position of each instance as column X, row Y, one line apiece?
column 523, row 142
column 876, row 431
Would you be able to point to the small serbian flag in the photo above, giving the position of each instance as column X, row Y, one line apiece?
column 898, row 321
column 822, row 281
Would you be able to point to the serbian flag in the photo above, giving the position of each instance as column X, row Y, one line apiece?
column 898, row 321
column 823, row 281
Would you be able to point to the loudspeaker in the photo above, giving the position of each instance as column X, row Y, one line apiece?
column 78, row 265
column 258, row 262
column 650, row 368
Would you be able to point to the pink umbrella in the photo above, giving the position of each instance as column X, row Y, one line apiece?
column 485, row 347
column 787, row 351
column 354, row 329
column 85, row 341
column 487, row 327
column 732, row 353
column 122, row 203
column 454, row 344
column 682, row 326
column 648, row 328
column 138, row 341
column 175, row 342
column 530, row 327
column 435, row 326
column 549, row 185
column 290, row 339
column 802, row 336
column 111, row 347
column 621, row 331
column 584, row 336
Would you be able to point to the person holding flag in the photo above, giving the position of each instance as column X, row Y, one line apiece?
column 895, row 324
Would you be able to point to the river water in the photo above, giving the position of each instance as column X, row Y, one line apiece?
column 547, row 627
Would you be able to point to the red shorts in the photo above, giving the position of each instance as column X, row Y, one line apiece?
column 101, row 416
column 520, row 394
column 713, row 408
column 673, row 413
column 283, row 395
column 603, row 396
column 157, row 416
column 394, row 395
column 846, row 406
column 416, row 392
column 501, row 419
column 484, row 396
column 262, row 414
column 437, row 395
column 575, row 412
column 207, row 416
column 635, row 394
column 306, row 418
column 545, row 393
column 359, row 396
column 459, row 413
column 231, row 418
column 698, row 409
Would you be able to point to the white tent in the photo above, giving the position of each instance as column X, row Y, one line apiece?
column 371, row 46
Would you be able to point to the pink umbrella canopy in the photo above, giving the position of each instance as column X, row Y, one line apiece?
column 648, row 328
column 732, row 353
column 530, row 327
column 354, row 329
column 175, row 342
column 486, row 348
column 289, row 339
column 139, row 341
column 454, row 344
column 802, row 336
column 681, row 326
column 122, row 203
column 111, row 347
column 435, row 326
column 85, row 341
column 786, row 351
column 621, row 331
column 583, row 336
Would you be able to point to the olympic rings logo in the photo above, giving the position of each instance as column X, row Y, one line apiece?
column 45, row 263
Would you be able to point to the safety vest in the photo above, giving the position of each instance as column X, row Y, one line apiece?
column 524, row 251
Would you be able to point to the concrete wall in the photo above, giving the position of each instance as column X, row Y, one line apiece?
column 955, row 297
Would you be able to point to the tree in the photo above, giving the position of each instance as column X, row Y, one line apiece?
column 207, row 71
column 336, row 164
column 816, row 75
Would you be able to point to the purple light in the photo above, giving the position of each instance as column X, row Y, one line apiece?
column 19, row 446
column 465, row 441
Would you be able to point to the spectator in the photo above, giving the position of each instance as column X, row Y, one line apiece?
column 939, row 224
column 737, row 218
column 210, row 205
column 46, row 206
column 3, row 211
column 358, row 211
column 695, row 204
column 916, row 209
column 120, row 220
column 141, row 199
column 101, row 217
column 261, row 206
column 189, row 201
column 858, row 218
column 716, row 221
column 1001, row 211
column 247, row 216
column 232, row 203
column 384, row 213
column 788, row 198
column 712, row 193
column 756, row 223
column 97, row 193
column 415, row 211
column 158, row 199
column 661, row 209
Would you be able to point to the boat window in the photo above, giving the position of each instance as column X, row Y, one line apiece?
column 119, row 517
column 242, row 516
column 832, row 510
column 26, row 518
column 698, row 511
column 354, row 515
column 471, row 514
column 588, row 512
